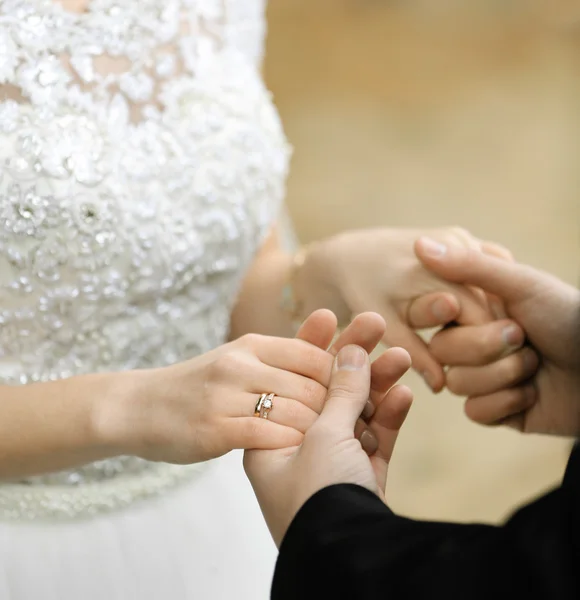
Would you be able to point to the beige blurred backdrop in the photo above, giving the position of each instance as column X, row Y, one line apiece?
column 431, row 113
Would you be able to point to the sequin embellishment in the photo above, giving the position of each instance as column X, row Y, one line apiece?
column 141, row 161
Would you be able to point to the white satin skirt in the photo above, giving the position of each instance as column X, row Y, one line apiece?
column 204, row 540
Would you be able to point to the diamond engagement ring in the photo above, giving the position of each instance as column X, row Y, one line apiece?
column 264, row 406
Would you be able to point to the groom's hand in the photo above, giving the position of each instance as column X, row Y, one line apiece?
column 531, row 394
column 377, row 427
column 284, row 480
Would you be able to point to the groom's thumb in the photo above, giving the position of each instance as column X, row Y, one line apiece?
column 510, row 281
column 348, row 390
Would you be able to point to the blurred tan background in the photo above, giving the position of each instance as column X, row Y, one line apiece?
column 434, row 113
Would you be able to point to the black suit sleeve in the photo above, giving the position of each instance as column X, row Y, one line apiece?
column 345, row 543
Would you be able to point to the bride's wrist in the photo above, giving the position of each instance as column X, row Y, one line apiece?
column 312, row 283
column 117, row 422
column 292, row 300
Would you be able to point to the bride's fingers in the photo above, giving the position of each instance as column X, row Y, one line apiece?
column 318, row 329
column 398, row 334
column 284, row 411
column 366, row 331
column 473, row 308
column 252, row 433
column 432, row 310
column 301, row 388
column 497, row 250
column 288, row 355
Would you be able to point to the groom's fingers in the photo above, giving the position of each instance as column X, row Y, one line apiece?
column 510, row 281
column 491, row 378
column 496, row 409
column 366, row 330
column 386, row 370
column 478, row 345
column 391, row 414
column 386, row 424
column 385, row 373
column 496, row 304
column 348, row 391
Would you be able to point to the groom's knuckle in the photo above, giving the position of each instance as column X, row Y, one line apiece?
column 345, row 389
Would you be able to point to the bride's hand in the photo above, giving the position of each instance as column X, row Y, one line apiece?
column 203, row 408
column 377, row 270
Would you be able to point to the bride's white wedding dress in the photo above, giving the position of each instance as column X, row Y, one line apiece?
column 141, row 165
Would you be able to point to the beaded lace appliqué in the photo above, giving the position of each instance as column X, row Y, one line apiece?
column 141, row 162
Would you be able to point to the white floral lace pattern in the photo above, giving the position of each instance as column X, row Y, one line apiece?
column 141, row 164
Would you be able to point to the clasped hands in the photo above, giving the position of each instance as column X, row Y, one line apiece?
column 529, row 390
column 364, row 411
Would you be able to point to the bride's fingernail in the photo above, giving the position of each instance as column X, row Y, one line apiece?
column 433, row 248
column 351, row 358
column 369, row 442
column 442, row 311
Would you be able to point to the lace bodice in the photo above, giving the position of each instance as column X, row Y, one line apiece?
column 141, row 164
